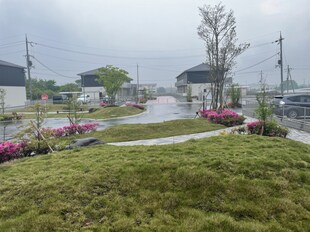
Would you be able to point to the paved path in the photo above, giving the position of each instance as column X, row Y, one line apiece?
column 296, row 135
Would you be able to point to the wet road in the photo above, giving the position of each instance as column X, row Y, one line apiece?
column 156, row 112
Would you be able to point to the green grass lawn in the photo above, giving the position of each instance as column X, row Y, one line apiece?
column 131, row 132
column 49, row 108
column 101, row 113
column 225, row 183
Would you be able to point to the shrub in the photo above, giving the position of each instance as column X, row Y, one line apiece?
column 10, row 150
column 141, row 107
column 271, row 128
column 225, row 117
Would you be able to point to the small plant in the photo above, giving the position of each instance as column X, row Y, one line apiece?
column 74, row 107
column 141, row 107
column 2, row 100
column 235, row 93
column 189, row 93
column 271, row 128
column 10, row 150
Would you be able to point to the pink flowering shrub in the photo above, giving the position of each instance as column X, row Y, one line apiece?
column 141, row 107
column 271, row 128
column 10, row 150
column 74, row 129
column 225, row 117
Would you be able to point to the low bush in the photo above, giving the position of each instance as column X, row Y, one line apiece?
column 11, row 117
column 141, row 107
column 10, row 150
column 225, row 117
column 271, row 128
column 69, row 130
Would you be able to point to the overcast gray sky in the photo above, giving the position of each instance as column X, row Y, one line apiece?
column 74, row 36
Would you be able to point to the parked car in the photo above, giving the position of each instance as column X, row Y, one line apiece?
column 292, row 106
column 60, row 99
column 84, row 98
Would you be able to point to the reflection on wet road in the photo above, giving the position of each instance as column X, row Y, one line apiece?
column 155, row 113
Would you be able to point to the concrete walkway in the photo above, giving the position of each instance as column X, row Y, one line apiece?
column 296, row 135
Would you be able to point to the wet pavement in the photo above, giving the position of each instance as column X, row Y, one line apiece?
column 156, row 112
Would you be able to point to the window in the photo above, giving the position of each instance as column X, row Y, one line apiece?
column 294, row 99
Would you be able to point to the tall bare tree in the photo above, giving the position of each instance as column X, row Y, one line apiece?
column 218, row 31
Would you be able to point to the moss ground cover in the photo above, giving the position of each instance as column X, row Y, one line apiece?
column 224, row 183
column 131, row 132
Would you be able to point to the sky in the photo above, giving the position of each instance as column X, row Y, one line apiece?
column 160, row 36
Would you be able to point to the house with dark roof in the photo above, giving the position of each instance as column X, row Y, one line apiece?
column 96, row 91
column 13, row 81
column 198, row 77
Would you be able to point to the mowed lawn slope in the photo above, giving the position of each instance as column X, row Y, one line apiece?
column 131, row 132
column 224, row 183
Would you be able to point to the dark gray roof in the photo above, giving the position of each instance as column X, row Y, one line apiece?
column 91, row 72
column 198, row 68
column 4, row 63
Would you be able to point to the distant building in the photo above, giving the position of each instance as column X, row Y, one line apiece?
column 12, row 79
column 197, row 77
column 96, row 91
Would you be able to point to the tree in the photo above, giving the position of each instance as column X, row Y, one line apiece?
column 235, row 93
column 189, row 93
column 2, row 100
column 70, row 87
column 112, row 79
column 161, row 90
column 218, row 31
column 40, row 87
column 263, row 111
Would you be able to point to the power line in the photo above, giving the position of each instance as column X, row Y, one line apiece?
column 256, row 63
column 59, row 74
column 117, row 57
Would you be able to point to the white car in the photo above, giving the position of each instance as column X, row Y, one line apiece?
column 84, row 99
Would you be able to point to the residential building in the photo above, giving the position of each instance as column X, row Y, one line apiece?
column 13, row 81
column 197, row 77
column 96, row 91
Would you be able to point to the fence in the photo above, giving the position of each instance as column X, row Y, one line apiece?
column 284, row 114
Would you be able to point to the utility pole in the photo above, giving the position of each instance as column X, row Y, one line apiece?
column 28, row 62
column 289, row 79
column 261, row 77
column 138, row 84
column 280, row 62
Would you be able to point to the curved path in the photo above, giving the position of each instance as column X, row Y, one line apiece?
column 296, row 135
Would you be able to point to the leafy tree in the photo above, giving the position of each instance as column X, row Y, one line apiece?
column 189, row 93
column 291, row 84
column 112, row 79
column 235, row 93
column 161, row 90
column 40, row 87
column 70, row 87
column 263, row 111
column 218, row 31
column 2, row 100
column 74, row 107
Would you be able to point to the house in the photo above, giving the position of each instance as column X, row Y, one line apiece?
column 96, row 91
column 197, row 77
column 13, row 81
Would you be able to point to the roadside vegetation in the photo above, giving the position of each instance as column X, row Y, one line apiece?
column 131, row 132
column 95, row 113
column 223, row 183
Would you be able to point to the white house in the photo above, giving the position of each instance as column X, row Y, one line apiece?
column 12, row 80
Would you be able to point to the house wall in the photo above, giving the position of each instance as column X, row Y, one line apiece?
column 12, row 76
column 15, row 95
column 12, row 79
column 198, row 77
column 94, row 92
